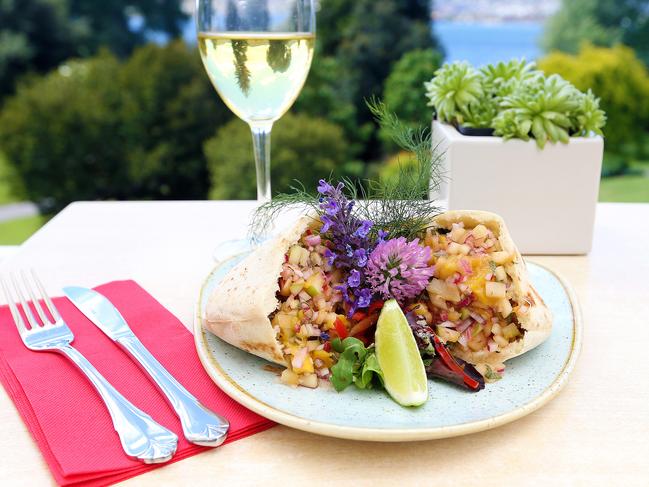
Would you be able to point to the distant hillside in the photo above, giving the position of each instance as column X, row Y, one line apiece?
column 494, row 10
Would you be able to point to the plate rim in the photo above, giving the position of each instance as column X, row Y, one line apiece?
column 246, row 399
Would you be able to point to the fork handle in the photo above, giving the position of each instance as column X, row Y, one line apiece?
column 141, row 437
column 200, row 425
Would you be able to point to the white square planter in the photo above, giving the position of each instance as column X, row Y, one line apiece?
column 547, row 197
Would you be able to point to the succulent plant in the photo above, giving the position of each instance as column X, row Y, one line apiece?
column 588, row 117
column 541, row 106
column 481, row 113
column 516, row 100
column 501, row 79
column 454, row 87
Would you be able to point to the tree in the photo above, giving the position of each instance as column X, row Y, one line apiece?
column 303, row 148
column 600, row 22
column 61, row 133
column 166, row 115
column 101, row 129
column 404, row 89
column 35, row 35
column 621, row 81
column 367, row 37
column 327, row 95
column 121, row 25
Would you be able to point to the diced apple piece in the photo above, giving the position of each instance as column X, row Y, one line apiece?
column 457, row 234
column 286, row 321
column 330, row 320
column 502, row 257
column 511, row 331
column 480, row 231
column 294, row 254
column 496, row 329
column 296, row 287
column 324, row 356
column 289, row 377
column 316, row 259
column 495, row 289
column 478, row 342
column 458, row 249
column 486, row 329
column 446, row 291
column 313, row 285
column 447, row 334
column 285, row 290
column 504, row 307
column 453, row 315
column 309, row 380
column 500, row 273
column 437, row 301
column 307, row 366
column 304, row 256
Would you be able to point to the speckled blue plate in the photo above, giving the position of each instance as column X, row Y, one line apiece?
column 530, row 381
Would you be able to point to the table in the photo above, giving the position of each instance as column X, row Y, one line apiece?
column 596, row 432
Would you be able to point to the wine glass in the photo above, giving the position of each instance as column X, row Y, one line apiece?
column 257, row 54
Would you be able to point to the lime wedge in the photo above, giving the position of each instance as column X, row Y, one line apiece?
column 396, row 350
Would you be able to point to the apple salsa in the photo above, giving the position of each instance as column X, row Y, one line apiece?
column 308, row 301
column 470, row 296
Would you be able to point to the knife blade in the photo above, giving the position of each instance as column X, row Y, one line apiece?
column 200, row 425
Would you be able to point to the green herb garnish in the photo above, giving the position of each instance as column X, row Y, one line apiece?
column 401, row 206
column 492, row 374
column 356, row 365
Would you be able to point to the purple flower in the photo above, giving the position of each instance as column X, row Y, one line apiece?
column 324, row 187
column 354, row 278
column 326, row 223
column 361, row 257
column 364, row 298
column 331, row 207
column 349, row 252
column 330, row 256
column 363, row 229
column 350, row 243
column 399, row 269
column 382, row 235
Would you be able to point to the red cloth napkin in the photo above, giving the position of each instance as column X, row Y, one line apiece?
column 66, row 416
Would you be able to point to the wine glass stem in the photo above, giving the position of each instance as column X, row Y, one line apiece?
column 261, row 145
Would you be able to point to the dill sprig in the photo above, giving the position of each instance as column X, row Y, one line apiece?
column 400, row 206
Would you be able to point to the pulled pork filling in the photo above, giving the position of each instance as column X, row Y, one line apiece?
column 470, row 297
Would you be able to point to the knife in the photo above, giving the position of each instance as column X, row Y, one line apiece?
column 200, row 425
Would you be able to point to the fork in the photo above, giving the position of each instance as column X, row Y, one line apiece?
column 141, row 437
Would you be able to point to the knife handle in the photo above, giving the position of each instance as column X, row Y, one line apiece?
column 200, row 425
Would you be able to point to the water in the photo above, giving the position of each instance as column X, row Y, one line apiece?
column 485, row 43
column 478, row 43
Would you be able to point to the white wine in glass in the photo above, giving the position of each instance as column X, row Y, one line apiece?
column 257, row 54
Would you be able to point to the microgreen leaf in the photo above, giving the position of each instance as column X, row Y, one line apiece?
column 356, row 365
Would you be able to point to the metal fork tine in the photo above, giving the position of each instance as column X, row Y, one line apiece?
column 20, row 324
column 37, row 305
column 48, row 302
column 33, row 322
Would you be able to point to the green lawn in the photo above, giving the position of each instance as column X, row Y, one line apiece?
column 15, row 232
column 626, row 189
